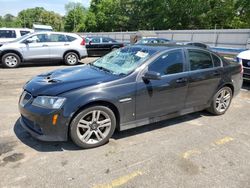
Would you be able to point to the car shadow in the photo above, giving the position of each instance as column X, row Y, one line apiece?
column 160, row 125
column 42, row 146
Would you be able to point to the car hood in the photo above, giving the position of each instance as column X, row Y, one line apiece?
column 63, row 80
column 244, row 55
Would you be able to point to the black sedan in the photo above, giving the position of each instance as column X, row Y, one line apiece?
column 99, row 46
column 155, row 40
column 127, row 88
column 197, row 44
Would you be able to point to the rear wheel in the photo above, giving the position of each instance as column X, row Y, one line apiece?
column 93, row 127
column 114, row 48
column 11, row 60
column 221, row 101
column 71, row 58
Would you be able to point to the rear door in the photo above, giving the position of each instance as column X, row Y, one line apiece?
column 107, row 44
column 161, row 97
column 58, row 45
column 204, row 77
column 38, row 49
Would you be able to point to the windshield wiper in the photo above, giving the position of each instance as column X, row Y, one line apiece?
column 102, row 68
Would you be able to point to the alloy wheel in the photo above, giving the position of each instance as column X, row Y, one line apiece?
column 11, row 61
column 223, row 101
column 93, row 127
column 72, row 59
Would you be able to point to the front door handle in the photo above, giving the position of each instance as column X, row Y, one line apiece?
column 181, row 80
column 66, row 44
column 216, row 73
column 44, row 45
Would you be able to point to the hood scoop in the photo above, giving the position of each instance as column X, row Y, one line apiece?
column 54, row 81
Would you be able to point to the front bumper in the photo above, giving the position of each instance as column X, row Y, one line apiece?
column 38, row 122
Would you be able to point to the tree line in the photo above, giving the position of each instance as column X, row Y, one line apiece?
column 132, row 15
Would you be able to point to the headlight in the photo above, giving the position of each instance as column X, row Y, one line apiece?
column 49, row 102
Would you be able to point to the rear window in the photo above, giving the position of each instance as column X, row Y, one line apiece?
column 70, row 38
column 199, row 60
column 24, row 32
column 57, row 38
column 217, row 61
column 108, row 40
column 7, row 34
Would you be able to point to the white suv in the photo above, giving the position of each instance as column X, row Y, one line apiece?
column 68, row 47
column 10, row 34
column 244, row 59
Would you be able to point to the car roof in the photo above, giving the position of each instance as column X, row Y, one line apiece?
column 7, row 28
column 163, row 47
column 53, row 32
column 154, row 38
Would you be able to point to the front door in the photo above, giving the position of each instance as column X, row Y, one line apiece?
column 38, row 48
column 161, row 97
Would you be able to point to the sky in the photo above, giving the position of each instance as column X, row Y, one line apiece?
column 15, row 6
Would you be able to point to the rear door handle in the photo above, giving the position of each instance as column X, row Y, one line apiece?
column 181, row 80
column 44, row 45
column 66, row 44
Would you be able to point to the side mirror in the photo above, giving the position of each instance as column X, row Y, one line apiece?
column 151, row 75
column 29, row 40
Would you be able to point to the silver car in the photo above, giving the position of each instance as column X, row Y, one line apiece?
column 68, row 47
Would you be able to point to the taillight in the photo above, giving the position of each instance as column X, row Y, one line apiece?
column 83, row 42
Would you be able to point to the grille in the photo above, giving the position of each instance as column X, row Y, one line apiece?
column 25, row 98
column 246, row 71
column 246, row 63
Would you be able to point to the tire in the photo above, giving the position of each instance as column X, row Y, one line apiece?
column 85, row 129
column 221, row 101
column 11, row 60
column 71, row 58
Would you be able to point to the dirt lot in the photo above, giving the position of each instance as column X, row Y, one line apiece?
column 197, row 150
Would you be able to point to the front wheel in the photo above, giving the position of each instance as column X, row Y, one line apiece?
column 93, row 127
column 11, row 60
column 221, row 101
column 71, row 58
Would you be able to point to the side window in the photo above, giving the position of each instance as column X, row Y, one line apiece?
column 70, row 38
column 57, row 38
column 169, row 63
column 40, row 38
column 107, row 40
column 7, row 34
column 199, row 60
column 95, row 40
column 217, row 61
column 24, row 32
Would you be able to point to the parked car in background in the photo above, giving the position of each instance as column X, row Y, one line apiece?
column 10, row 34
column 130, row 87
column 39, row 27
column 154, row 40
column 197, row 44
column 244, row 59
column 43, row 46
column 99, row 46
